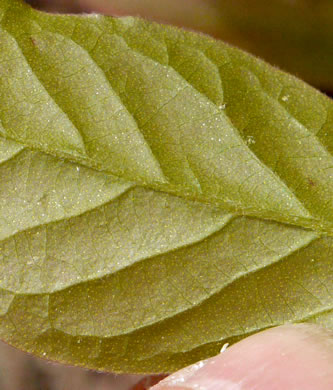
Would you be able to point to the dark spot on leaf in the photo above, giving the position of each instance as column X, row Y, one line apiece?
column 311, row 182
column 34, row 41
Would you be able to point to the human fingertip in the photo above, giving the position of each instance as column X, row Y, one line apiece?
column 289, row 357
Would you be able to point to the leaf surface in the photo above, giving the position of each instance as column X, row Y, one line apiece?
column 161, row 193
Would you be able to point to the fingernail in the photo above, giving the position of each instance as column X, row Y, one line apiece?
column 289, row 357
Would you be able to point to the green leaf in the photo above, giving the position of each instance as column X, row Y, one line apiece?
column 161, row 193
column 295, row 35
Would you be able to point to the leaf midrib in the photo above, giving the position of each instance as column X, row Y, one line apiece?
column 292, row 220
column 312, row 223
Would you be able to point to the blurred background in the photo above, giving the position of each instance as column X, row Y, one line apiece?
column 20, row 371
column 294, row 35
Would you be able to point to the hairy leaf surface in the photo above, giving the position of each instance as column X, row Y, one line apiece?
column 295, row 35
column 161, row 193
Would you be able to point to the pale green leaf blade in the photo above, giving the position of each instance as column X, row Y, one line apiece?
column 203, row 144
column 161, row 193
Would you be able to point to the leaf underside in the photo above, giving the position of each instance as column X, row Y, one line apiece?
column 161, row 193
